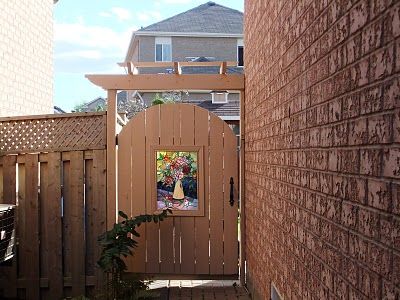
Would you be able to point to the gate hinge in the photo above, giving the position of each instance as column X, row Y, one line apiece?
column 116, row 140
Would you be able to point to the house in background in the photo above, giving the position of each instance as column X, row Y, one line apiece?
column 125, row 107
column 58, row 110
column 26, row 57
column 209, row 32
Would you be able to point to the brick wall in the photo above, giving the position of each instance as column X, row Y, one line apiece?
column 184, row 47
column 219, row 48
column 26, row 57
column 322, row 147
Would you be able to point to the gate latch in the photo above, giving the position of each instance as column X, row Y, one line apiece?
column 231, row 200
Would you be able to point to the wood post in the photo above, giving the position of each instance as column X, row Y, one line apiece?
column 112, row 204
column 242, row 191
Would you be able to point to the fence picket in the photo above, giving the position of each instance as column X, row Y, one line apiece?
column 89, row 210
column 66, row 219
column 32, row 266
column 1, row 179
column 77, row 224
column 9, row 197
column 54, row 226
column 99, row 209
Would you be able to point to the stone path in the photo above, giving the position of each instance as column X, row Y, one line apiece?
column 199, row 289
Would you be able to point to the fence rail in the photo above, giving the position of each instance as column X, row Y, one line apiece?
column 61, row 198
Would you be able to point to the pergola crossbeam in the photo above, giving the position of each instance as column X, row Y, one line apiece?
column 168, row 82
column 182, row 64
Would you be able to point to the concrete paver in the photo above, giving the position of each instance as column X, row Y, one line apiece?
column 200, row 289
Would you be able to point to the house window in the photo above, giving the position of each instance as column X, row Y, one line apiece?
column 240, row 53
column 219, row 97
column 163, row 49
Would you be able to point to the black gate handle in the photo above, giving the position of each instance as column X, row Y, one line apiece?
column 231, row 200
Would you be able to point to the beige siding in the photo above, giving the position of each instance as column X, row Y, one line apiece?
column 26, row 57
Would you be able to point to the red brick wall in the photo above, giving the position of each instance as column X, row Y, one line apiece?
column 322, row 148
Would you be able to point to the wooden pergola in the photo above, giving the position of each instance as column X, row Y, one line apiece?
column 133, row 80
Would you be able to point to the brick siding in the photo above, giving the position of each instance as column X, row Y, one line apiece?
column 219, row 48
column 322, row 148
column 26, row 57
column 183, row 47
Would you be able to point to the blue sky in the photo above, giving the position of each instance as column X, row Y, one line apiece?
column 91, row 36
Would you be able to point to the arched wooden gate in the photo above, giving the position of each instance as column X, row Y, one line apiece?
column 191, row 244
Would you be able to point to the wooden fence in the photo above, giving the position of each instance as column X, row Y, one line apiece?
column 61, row 198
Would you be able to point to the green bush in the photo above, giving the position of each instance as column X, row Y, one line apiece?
column 117, row 244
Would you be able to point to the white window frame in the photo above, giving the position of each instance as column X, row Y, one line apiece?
column 239, row 44
column 162, row 41
column 217, row 102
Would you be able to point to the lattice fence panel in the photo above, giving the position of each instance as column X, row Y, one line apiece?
column 52, row 133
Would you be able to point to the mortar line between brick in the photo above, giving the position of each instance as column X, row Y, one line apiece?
column 380, row 212
column 376, row 82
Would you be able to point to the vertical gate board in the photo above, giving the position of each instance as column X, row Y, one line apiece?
column 124, row 174
column 124, row 171
column 177, row 220
column 166, row 226
column 216, row 195
column 98, row 208
column 77, row 224
column 152, row 230
column 187, row 223
column 90, row 263
column 230, row 212
column 31, row 237
column 202, row 225
column 52, row 207
column 138, row 175
column 9, row 197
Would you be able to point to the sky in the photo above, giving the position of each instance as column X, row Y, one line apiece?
column 92, row 36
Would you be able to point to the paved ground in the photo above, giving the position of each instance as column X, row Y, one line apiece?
column 199, row 289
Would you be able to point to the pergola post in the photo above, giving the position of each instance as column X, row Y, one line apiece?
column 112, row 205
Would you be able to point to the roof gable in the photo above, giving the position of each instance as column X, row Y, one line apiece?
column 206, row 18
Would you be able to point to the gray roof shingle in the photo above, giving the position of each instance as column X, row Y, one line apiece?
column 206, row 18
column 231, row 108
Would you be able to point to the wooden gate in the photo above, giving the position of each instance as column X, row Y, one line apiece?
column 202, row 245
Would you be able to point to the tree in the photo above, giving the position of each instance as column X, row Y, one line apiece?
column 131, row 106
column 80, row 107
column 157, row 100
column 169, row 97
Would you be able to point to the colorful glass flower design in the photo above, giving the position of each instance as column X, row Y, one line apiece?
column 177, row 175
